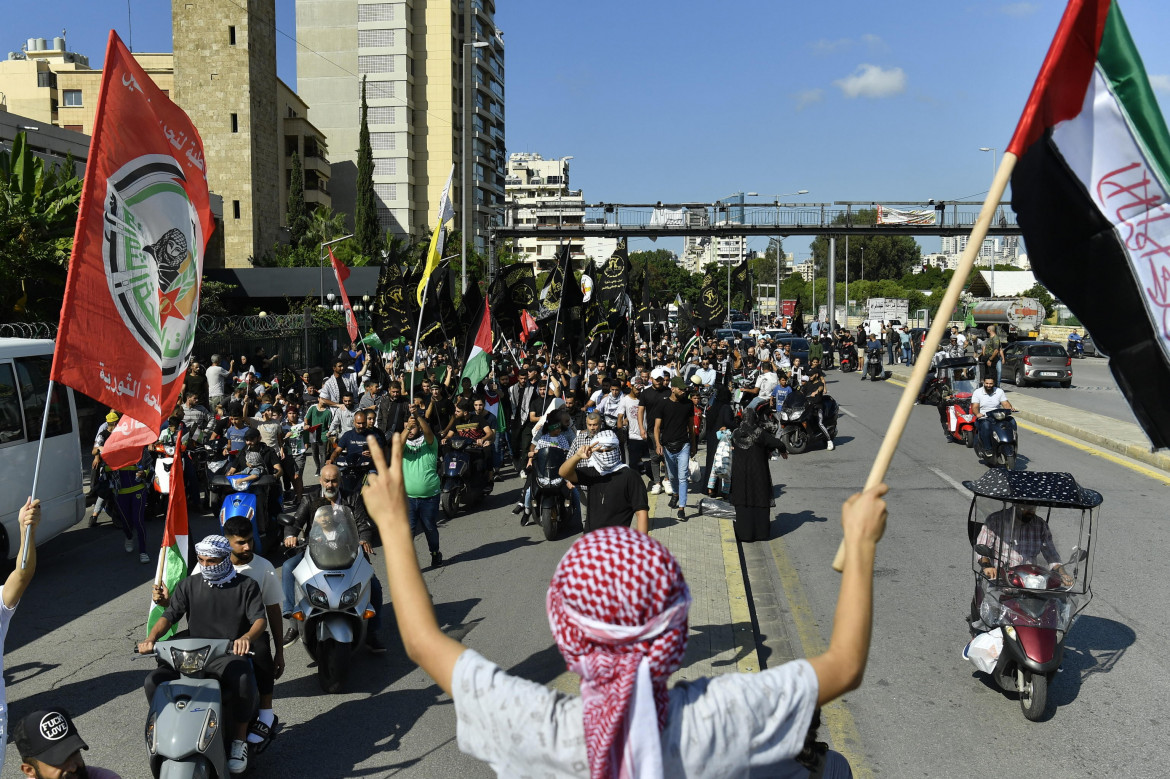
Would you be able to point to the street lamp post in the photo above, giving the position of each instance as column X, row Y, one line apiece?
column 992, row 150
column 776, row 198
column 465, row 164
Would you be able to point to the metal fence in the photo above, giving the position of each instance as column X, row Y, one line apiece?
column 294, row 338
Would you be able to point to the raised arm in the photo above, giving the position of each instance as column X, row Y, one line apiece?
column 19, row 579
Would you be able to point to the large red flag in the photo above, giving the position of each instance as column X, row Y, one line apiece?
column 132, row 297
column 342, row 273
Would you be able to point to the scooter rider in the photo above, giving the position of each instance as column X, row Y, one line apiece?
column 476, row 429
column 987, row 398
column 219, row 605
column 330, row 495
column 353, row 444
column 256, row 460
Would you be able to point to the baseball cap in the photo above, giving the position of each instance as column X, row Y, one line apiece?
column 112, row 417
column 677, row 381
column 48, row 736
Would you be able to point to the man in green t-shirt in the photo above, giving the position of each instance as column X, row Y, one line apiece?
column 992, row 355
column 317, row 421
column 420, row 457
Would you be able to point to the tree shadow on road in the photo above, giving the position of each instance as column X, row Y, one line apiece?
column 490, row 550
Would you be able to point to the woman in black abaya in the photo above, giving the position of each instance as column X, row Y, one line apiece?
column 751, row 481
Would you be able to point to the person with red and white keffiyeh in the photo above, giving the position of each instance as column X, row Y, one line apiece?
column 617, row 607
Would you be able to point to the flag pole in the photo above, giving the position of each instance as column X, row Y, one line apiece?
column 881, row 463
column 37, row 468
column 417, row 333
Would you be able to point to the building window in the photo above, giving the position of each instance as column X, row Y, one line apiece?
column 375, row 39
column 379, row 90
column 384, row 141
column 231, row 35
column 235, row 123
column 386, row 192
column 235, row 209
column 381, row 115
column 77, row 128
column 376, row 12
column 376, row 63
column 385, row 167
column 72, row 98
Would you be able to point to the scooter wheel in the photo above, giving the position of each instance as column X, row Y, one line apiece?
column 549, row 523
column 968, row 438
column 1033, row 695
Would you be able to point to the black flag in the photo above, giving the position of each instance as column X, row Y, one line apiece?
column 741, row 281
column 711, row 309
column 394, row 310
column 612, row 277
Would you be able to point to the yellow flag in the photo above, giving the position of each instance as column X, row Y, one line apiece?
column 432, row 262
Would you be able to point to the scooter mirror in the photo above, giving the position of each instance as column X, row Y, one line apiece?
column 983, row 550
column 284, row 519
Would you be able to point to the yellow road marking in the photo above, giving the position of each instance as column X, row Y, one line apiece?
column 843, row 731
column 741, row 615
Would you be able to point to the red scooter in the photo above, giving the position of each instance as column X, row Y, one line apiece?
column 1027, row 594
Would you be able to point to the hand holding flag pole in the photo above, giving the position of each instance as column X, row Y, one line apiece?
column 881, row 464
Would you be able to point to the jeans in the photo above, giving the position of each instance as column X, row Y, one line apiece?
column 426, row 512
column 678, row 466
column 288, row 584
column 655, row 465
column 906, row 356
column 890, row 353
column 983, row 430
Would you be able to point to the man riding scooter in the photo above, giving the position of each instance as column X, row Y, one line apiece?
column 331, row 495
column 258, row 460
column 983, row 400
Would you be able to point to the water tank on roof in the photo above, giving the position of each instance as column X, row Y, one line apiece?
column 31, row 45
column 59, row 43
column 42, row 44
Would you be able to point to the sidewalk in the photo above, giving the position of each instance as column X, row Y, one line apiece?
column 1115, row 435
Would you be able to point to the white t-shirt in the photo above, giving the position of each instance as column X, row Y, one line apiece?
column 215, row 377
column 961, row 340
column 629, row 408
column 5, row 618
column 735, row 725
column 766, row 383
column 988, row 401
column 261, row 572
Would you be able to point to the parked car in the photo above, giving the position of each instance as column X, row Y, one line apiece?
column 774, row 333
column 725, row 334
column 1090, row 347
column 742, row 325
column 798, row 347
column 737, row 316
column 1026, row 362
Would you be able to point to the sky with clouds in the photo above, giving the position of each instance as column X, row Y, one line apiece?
column 693, row 101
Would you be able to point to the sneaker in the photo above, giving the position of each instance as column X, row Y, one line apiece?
column 517, row 508
column 681, row 514
column 656, row 489
column 436, row 559
column 374, row 644
column 829, row 446
column 291, row 635
column 93, row 520
column 238, row 761
column 129, row 545
column 144, row 558
column 666, row 487
column 673, row 502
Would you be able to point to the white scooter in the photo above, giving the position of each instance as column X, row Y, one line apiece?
column 333, row 587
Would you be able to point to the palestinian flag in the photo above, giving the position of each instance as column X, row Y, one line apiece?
column 1090, row 189
column 172, row 560
column 479, row 356
column 694, row 341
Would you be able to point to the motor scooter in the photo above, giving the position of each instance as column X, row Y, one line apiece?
column 798, row 422
column 243, row 499
column 1002, row 453
column 465, row 474
column 550, row 498
column 187, row 722
column 848, row 359
column 1075, row 346
column 875, row 369
column 1027, row 595
column 333, row 583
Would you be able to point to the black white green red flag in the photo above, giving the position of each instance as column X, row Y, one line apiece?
column 479, row 354
column 1090, row 191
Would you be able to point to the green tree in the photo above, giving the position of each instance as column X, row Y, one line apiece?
column 870, row 256
column 367, row 229
column 38, row 212
column 668, row 279
column 298, row 212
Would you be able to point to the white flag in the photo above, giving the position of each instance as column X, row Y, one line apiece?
column 446, row 210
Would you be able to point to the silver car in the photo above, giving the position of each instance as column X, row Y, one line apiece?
column 1028, row 362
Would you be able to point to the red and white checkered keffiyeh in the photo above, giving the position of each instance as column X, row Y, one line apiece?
column 617, row 608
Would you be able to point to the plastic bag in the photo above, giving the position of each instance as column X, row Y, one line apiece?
column 984, row 649
column 711, row 507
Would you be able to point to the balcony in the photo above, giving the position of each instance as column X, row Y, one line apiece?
column 315, row 163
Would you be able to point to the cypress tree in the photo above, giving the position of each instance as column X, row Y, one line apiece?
column 298, row 212
column 367, row 230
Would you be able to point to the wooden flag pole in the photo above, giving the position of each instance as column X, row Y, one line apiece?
column 881, row 464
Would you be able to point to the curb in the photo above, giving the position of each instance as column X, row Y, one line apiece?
column 741, row 615
column 1112, row 443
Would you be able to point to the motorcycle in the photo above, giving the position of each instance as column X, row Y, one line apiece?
column 243, row 499
column 798, row 422
column 874, row 367
column 1002, row 453
column 186, row 721
column 950, row 389
column 334, row 581
column 550, row 498
column 848, row 359
column 1075, row 346
column 1024, row 606
column 466, row 476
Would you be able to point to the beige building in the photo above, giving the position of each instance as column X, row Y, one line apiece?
column 412, row 55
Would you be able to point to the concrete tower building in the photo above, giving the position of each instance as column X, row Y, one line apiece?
column 415, row 62
column 225, row 79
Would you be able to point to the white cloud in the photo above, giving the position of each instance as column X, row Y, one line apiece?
column 1160, row 83
column 1018, row 9
column 873, row 81
column 807, row 97
column 874, row 42
column 826, row 46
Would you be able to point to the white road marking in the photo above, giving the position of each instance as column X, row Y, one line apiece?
column 957, row 485
column 847, row 412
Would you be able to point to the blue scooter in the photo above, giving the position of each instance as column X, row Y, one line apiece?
column 244, row 501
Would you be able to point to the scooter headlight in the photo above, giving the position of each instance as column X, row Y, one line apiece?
column 190, row 661
column 210, row 727
column 152, row 733
column 350, row 596
column 317, row 597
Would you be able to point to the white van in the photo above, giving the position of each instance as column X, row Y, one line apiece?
column 875, row 325
column 24, row 382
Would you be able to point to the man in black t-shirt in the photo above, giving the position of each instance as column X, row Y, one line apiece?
column 649, row 402
column 617, row 493
column 674, row 435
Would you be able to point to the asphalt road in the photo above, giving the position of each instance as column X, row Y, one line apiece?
column 923, row 711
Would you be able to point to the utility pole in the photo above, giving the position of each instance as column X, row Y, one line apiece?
column 830, row 293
